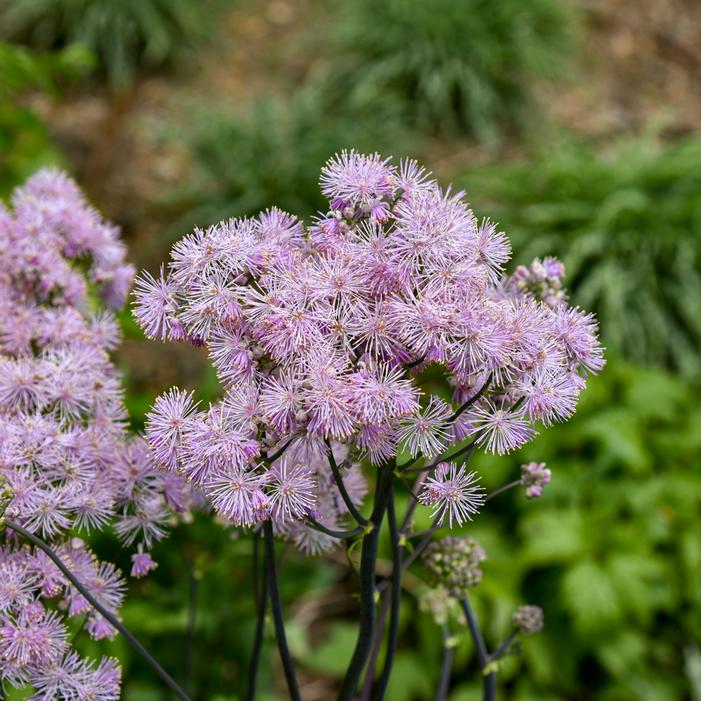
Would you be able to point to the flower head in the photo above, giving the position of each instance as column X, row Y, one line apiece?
column 528, row 619
column 454, row 494
column 454, row 564
column 534, row 477
column 332, row 333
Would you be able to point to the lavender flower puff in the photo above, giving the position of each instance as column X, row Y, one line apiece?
column 66, row 461
column 317, row 334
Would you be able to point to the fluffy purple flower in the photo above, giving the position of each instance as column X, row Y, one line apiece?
column 534, row 477
column 291, row 490
column 67, row 464
column 454, row 494
column 142, row 564
column 498, row 428
column 165, row 425
column 319, row 334
column 353, row 180
column 426, row 431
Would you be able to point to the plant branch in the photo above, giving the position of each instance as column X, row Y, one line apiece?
column 469, row 448
column 500, row 490
column 471, row 400
column 368, row 561
column 446, row 666
column 415, row 553
column 342, row 488
column 276, row 604
column 489, row 676
column 313, row 523
column 503, row 648
column 107, row 615
column 270, row 460
column 376, row 645
column 395, row 602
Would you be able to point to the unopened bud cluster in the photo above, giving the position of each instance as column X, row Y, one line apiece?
column 454, row 564
column 528, row 619
column 543, row 280
column 534, row 477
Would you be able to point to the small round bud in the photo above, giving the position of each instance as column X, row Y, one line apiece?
column 438, row 604
column 454, row 564
column 534, row 476
column 528, row 619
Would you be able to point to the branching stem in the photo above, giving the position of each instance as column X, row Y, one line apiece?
column 107, row 615
column 489, row 684
column 342, row 488
column 395, row 602
column 368, row 561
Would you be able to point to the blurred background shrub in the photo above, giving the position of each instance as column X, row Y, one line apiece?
column 280, row 147
column 25, row 142
column 451, row 66
column 126, row 36
column 612, row 552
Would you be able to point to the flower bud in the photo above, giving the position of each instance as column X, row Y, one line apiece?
column 454, row 564
column 534, row 476
column 528, row 619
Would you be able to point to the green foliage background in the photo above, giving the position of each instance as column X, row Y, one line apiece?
column 612, row 551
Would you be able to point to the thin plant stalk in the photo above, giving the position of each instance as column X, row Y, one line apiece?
column 342, row 488
column 503, row 648
column 376, row 645
column 276, row 605
column 501, row 490
column 489, row 683
column 342, row 535
column 368, row 562
column 446, row 666
column 107, row 615
column 395, row 602
column 466, row 405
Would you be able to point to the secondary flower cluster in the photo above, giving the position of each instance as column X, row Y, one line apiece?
column 66, row 461
column 454, row 564
column 534, row 477
column 318, row 335
column 528, row 619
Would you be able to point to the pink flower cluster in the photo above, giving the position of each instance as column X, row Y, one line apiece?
column 67, row 463
column 318, row 335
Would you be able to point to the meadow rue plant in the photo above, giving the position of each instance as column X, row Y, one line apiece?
column 322, row 337
column 67, row 464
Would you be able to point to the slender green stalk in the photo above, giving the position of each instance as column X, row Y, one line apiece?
column 489, row 684
column 376, row 645
column 501, row 490
column 276, row 604
column 368, row 561
column 395, row 605
column 343, row 535
column 342, row 488
column 107, row 615
column 446, row 666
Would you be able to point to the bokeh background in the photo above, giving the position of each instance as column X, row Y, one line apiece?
column 577, row 126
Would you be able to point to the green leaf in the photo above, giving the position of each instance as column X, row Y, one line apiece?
column 591, row 597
